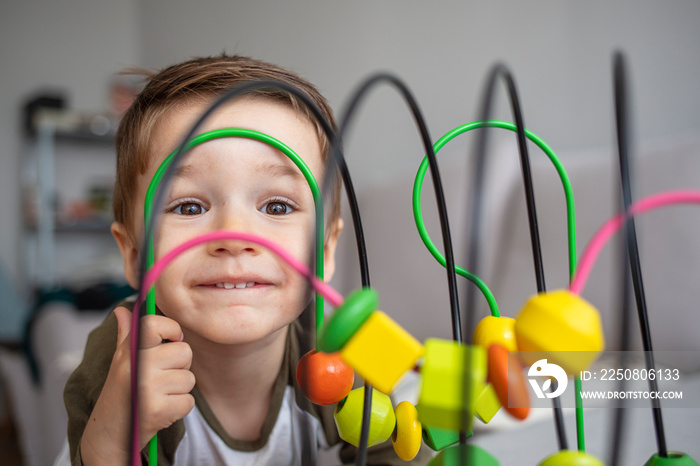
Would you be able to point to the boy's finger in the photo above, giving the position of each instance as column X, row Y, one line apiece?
column 156, row 329
column 123, row 316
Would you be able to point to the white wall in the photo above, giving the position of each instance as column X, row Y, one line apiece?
column 559, row 51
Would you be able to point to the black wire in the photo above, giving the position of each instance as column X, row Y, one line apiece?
column 410, row 100
column 350, row 110
column 150, row 226
column 624, row 335
column 622, row 126
column 500, row 70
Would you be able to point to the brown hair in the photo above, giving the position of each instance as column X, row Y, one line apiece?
column 198, row 79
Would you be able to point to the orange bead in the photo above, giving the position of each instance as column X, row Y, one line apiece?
column 324, row 378
column 506, row 376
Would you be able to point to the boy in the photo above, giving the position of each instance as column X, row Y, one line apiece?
column 221, row 390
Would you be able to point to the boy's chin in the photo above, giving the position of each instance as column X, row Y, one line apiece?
column 237, row 335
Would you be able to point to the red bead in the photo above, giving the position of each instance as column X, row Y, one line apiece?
column 324, row 378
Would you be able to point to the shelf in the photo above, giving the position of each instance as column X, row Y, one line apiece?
column 77, row 127
column 79, row 226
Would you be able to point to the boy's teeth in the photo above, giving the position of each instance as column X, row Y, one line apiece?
column 239, row 286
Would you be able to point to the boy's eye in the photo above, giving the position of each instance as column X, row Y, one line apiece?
column 189, row 208
column 277, row 208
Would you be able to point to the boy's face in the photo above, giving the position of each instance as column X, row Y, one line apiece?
column 233, row 291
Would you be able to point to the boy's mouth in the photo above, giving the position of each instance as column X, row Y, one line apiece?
column 238, row 286
column 233, row 282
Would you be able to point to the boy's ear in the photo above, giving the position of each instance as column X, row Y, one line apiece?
column 130, row 253
column 329, row 249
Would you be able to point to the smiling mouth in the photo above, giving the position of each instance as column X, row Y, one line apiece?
column 237, row 286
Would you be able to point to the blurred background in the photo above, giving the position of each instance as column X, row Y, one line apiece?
column 60, row 99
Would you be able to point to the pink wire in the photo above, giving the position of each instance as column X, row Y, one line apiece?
column 610, row 227
column 335, row 298
column 324, row 289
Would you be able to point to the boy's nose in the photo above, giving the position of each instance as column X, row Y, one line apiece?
column 232, row 247
column 232, row 222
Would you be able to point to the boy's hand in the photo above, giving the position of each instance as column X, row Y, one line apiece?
column 165, row 382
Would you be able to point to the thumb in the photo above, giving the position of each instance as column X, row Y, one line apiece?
column 123, row 316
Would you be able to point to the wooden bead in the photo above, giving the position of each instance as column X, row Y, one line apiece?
column 444, row 372
column 348, row 417
column 324, row 378
column 571, row 458
column 561, row 327
column 438, row 439
column 408, row 434
column 347, row 319
column 487, row 404
column 673, row 458
column 506, row 376
column 381, row 352
column 458, row 455
column 492, row 330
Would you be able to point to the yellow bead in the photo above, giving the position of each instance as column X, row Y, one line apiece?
column 348, row 417
column 381, row 352
column 442, row 402
column 408, row 434
column 561, row 327
column 571, row 458
column 487, row 404
column 492, row 330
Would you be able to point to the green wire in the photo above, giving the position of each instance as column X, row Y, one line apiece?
column 418, row 215
column 315, row 191
column 570, row 220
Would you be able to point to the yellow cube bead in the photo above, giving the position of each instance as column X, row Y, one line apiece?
column 442, row 402
column 487, row 404
column 562, row 327
column 381, row 352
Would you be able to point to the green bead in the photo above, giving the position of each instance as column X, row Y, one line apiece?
column 438, row 439
column 674, row 458
column 458, row 455
column 347, row 319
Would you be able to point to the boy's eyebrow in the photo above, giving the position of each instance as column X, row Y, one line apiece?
column 280, row 170
column 183, row 171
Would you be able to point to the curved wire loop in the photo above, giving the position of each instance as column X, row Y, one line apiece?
column 566, row 184
column 345, row 120
column 501, row 71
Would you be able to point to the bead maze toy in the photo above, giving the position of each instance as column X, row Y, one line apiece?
column 460, row 380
